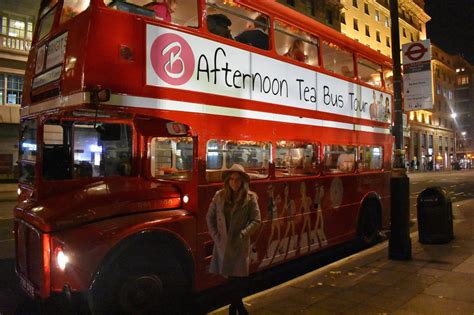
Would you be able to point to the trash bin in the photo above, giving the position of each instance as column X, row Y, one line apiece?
column 435, row 216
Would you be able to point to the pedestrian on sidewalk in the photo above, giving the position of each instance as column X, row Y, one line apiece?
column 232, row 217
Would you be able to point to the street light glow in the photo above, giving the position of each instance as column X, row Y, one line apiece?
column 463, row 133
column 453, row 115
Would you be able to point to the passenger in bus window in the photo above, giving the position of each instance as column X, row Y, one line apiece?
column 345, row 162
column 219, row 24
column 232, row 217
column 296, row 51
column 388, row 114
column 256, row 34
column 345, row 71
column 164, row 9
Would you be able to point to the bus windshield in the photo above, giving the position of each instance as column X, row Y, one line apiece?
column 76, row 149
column 28, row 151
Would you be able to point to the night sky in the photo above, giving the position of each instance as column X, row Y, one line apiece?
column 452, row 26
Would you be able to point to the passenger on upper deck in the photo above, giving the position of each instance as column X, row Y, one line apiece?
column 256, row 34
column 219, row 24
column 296, row 51
column 163, row 9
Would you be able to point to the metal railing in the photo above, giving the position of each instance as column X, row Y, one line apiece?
column 14, row 43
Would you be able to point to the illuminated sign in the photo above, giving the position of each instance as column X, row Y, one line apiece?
column 183, row 61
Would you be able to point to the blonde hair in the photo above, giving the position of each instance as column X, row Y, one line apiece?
column 242, row 193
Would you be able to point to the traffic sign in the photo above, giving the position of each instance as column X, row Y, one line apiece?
column 416, row 52
column 417, row 78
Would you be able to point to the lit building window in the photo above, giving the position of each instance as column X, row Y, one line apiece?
column 377, row 15
column 17, row 32
column 11, row 88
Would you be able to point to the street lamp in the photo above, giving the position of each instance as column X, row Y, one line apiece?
column 453, row 116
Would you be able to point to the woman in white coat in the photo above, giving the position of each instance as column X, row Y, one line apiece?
column 232, row 217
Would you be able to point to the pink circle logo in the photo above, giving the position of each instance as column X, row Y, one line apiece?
column 172, row 59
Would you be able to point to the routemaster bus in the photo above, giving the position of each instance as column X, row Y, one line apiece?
column 129, row 120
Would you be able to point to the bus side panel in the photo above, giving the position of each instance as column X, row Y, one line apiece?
column 103, row 236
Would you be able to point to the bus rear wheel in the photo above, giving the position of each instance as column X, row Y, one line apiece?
column 369, row 224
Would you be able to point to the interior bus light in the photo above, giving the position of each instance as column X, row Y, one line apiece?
column 62, row 259
column 185, row 199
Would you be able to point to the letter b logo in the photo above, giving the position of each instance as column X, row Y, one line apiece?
column 172, row 59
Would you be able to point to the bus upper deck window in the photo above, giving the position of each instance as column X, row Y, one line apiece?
column 388, row 78
column 369, row 72
column 337, row 60
column 46, row 20
column 180, row 12
column 232, row 20
column 296, row 44
column 71, row 8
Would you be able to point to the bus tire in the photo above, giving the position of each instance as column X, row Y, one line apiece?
column 369, row 224
column 140, row 286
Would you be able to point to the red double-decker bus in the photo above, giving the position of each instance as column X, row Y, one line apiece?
column 129, row 118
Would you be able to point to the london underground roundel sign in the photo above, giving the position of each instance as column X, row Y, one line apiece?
column 416, row 51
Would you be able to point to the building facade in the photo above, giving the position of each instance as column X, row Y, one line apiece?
column 17, row 20
column 432, row 132
column 368, row 21
column 430, row 136
column 464, row 109
column 325, row 11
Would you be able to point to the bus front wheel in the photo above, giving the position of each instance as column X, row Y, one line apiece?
column 138, row 287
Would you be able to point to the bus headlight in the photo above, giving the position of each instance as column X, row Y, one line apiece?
column 61, row 259
column 185, row 199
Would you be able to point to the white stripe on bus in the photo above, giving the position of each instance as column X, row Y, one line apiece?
column 153, row 103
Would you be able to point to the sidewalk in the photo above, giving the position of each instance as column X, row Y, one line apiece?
column 438, row 280
column 8, row 191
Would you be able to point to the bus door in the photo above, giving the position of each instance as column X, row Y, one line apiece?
column 170, row 148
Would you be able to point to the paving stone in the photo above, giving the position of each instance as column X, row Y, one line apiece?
column 369, row 288
column 272, row 297
column 387, row 277
column 430, row 305
column 351, row 295
column 390, row 304
column 308, row 297
column 432, row 272
column 461, row 291
column 466, row 266
column 334, row 305
column 363, row 309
